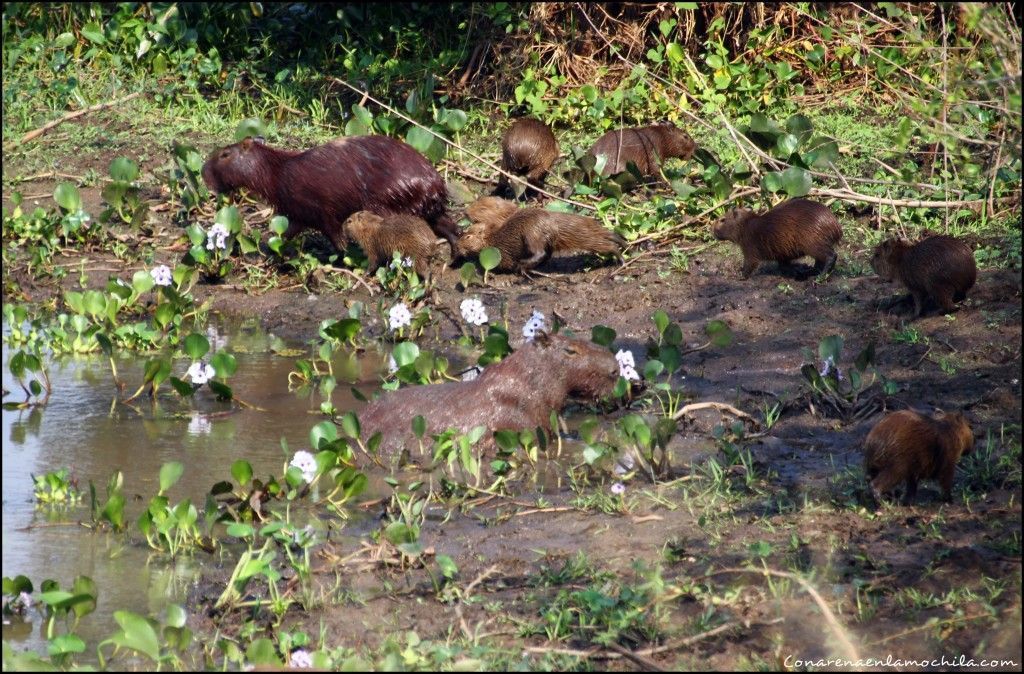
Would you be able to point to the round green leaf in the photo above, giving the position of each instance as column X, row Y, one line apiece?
column 241, row 470
column 224, row 363
column 796, row 181
column 490, row 257
column 196, row 346
column 124, row 170
column 67, row 197
column 249, row 127
column 324, row 432
column 170, row 473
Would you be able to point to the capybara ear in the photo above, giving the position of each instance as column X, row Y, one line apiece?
column 247, row 142
column 261, row 140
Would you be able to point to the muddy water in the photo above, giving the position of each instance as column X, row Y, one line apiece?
column 79, row 429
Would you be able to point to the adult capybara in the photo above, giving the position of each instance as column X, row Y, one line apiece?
column 645, row 146
column 515, row 394
column 528, row 149
column 529, row 236
column 907, row 446
column 321, row 187
column 939, row 267
column 380, row 237
column 791, row 230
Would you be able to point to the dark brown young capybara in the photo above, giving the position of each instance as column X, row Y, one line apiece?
column 528, row 149
column 907, row 446
column 321, row 187
column 380, row 237
column 529, row 236
column 515, row 394
column 645, row 146
column 941, row 268
column 791, row 230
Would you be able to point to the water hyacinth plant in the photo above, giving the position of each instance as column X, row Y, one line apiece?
column 536, row 323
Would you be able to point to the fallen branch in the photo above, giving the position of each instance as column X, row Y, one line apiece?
column 31, row 135
column 724, row 407
column 849, row 195
column 850, row 652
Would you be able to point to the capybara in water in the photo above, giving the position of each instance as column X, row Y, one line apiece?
column 645, row 146
column 515, row 394
column 907, row 446
column 939, row 267
column 321, row 187
column 792, row 229
column 380, row 237
column 529, row 236
column 528, row 148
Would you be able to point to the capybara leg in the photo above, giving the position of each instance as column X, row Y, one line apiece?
column 337, row 237
column 294, row 229
column 911, row 494
column 444, row 226
column 825, row 263
column 919, row 299
column 533, row 260
column 944, row 298
column 946, row 482
column 748, row 268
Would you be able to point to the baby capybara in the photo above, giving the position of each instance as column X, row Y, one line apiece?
column 380, row 237
column 321, row 187
column 907, row 446
column 515, row 394
column 645, row 146
column 528, row 149
column 791, row 230
column 939, row 267
column 491, row 211
column 529, row 236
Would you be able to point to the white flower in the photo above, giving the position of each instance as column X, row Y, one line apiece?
column 618, row 489
column 627, row 366
column 200, row 372
column 535, row 323
column 199, row 424
column 624, row 464
column 25, row 599
column 161, row 275
column 301, row 659
column 217, row 237
column 473, row 311
column 399, row 316
column 829, row 365
column 404, row 262
column 306, row 463
column 392, row 365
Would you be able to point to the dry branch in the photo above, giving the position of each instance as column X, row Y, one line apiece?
column 35, row 133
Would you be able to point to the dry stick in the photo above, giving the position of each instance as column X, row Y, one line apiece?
column 480, row 159
column 693, row 407
column 846, row 195
column 837, row 629
column 594, row 653
column 72, row 115
column 995, row 171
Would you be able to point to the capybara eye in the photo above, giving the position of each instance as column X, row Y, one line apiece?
column 225, row 154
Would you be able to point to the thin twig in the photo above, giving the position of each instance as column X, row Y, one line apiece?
column 35, row 133
column 724, row 407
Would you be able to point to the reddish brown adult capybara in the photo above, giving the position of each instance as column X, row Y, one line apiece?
column 529, row 236
column 381, row 237
column 907, row 446
column 528, row 149
column 791, row 230
column 645, row 146
column 321, row 187
column 515, row 394
column 941, row 268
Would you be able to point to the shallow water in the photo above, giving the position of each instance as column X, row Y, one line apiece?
column 81, row 430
